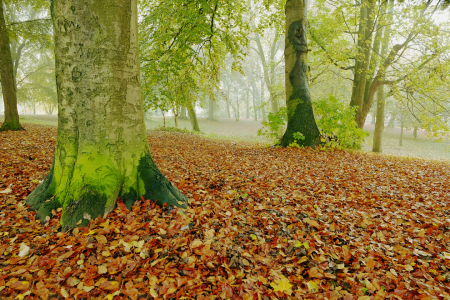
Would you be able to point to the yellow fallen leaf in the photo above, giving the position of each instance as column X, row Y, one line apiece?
column 21, row 296
column 64, row 293
column 153, row 293
column 6, row 191
column 102, row 269
column 262, row 280
column 297, row 244
column 306, row 245
column 111, row 296
column 421, row 233
column 313, row 287
column 408, row 268
column 281, row 285
column 196, row 243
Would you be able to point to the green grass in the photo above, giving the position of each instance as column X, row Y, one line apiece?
column 246, row 130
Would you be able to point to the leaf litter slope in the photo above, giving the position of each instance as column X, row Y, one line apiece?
column 262, row 224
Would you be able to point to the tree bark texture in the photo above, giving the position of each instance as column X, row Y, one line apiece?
column 381, row 97
column 193, row 118
column 7, row 78
column 300, row 112
column 379, row 123
column 363, row 58
column 102, row 150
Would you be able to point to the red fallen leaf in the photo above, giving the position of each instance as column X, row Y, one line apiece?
column 181, row 281
column 227, row 289
column 315, row 273
column 370, row 263
column 277, row 211
column 400, row 292
column 20, row 285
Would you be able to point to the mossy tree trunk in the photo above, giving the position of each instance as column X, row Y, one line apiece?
column 102, row 150
column 7, row 79
column 300, row 112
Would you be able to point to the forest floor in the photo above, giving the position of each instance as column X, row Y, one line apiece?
column 246, row 130
column 263, row 223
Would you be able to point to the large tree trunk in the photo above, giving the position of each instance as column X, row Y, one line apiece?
column 7, row 79
column 300, row 112
column 102, row 150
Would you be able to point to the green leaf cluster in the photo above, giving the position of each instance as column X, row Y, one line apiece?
column 337, row 123
column 183, row 45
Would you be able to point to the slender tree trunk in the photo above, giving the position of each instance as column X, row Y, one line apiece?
column 193, row 118
column 164, row 118
column 228, row 104
column 300, row 111
column 392, row 121
column 401, row 132
column 264, row 114
column 379, row 124
column 362, row 66
column 211, row 109
column 7, row 79
column 261, row 101
column 254, row 99
column 236, row 113
column 102, row 150
column 183, row 115
column 247, row 103
column 381, row 97
column 268, row 76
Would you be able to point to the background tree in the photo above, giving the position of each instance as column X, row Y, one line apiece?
column 7, row 78
column 102, row 150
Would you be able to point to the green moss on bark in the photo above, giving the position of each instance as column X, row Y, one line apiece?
column 90, row 205
column 11, row 125
column 157, row 187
